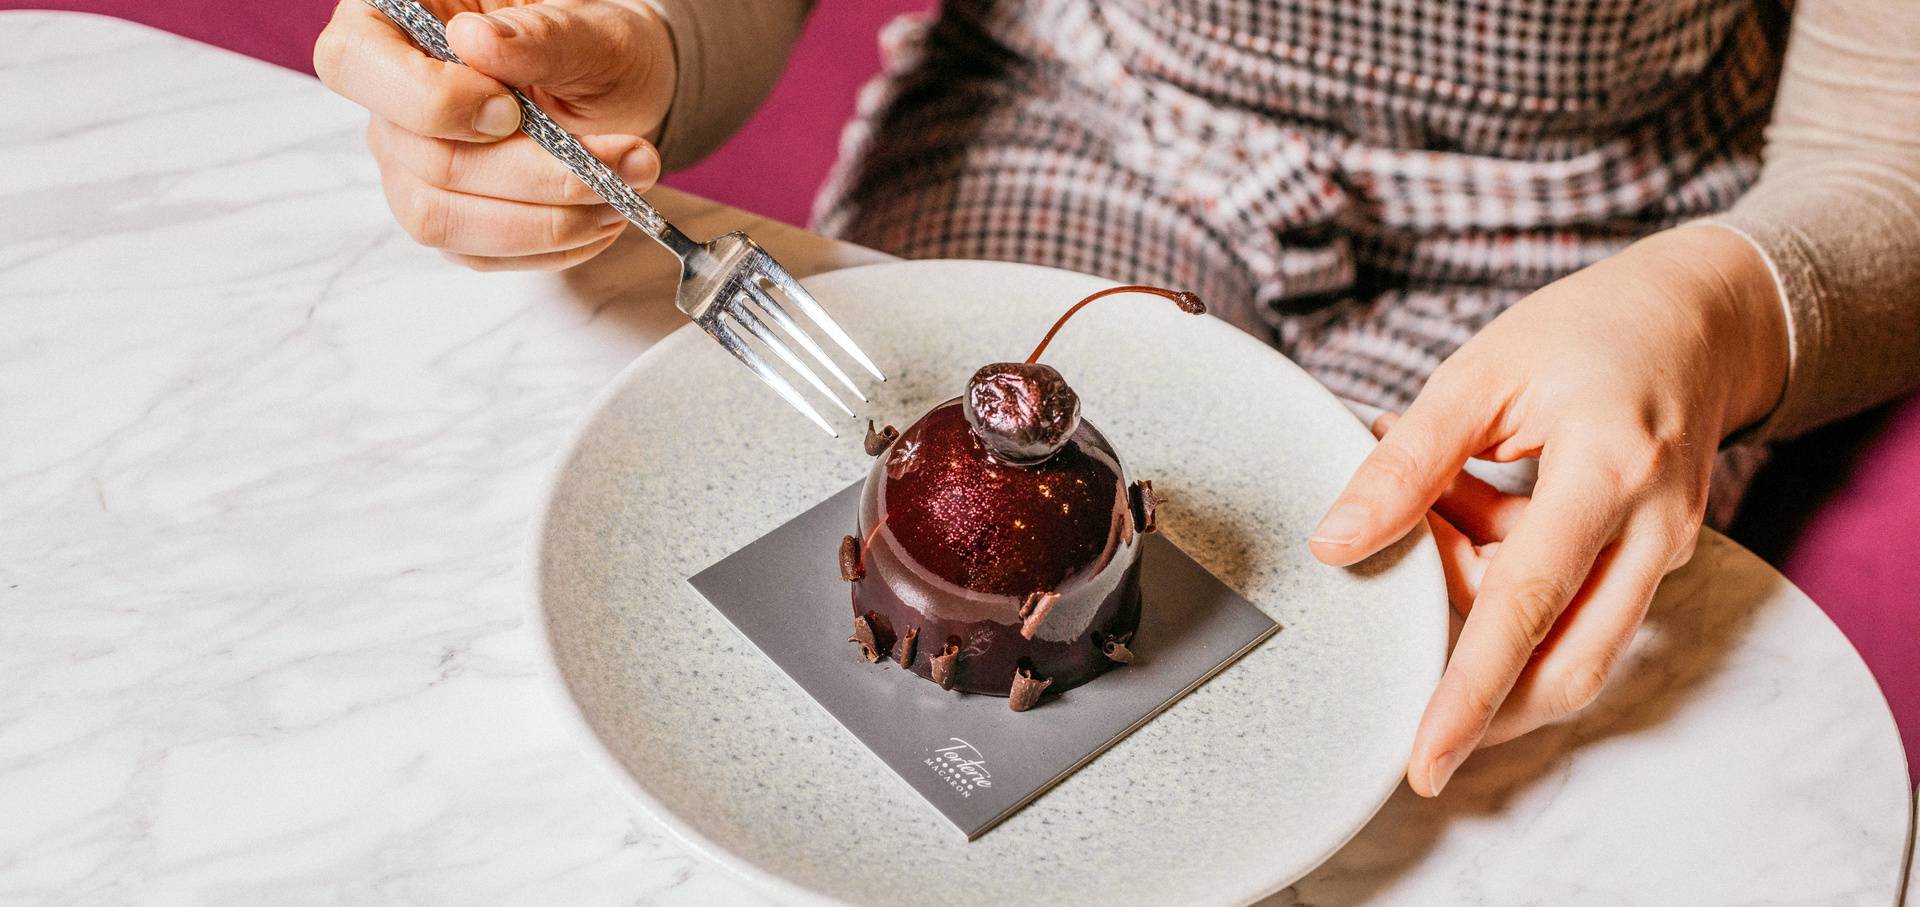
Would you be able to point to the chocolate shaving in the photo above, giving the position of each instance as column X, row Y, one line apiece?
column 851, row 569
column 1115, row 648
column 903, row 460
column 1026, row 689
column 1034, row 610
column 942, row 665
column 877, row 441
column 1143, row 502
column 863, row 634
column 906, row 646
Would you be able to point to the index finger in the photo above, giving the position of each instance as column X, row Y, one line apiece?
column 1401, row 477
column 369, row 61
column 1537, row 571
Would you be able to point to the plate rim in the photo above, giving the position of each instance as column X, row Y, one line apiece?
column 597, row 750
column 554, row 681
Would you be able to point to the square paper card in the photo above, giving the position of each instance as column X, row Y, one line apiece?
column 970, row 756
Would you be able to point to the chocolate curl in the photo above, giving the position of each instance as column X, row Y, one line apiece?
column 906, row 646
column 1115, row 648
column 1034, row 610
column 863, row 634
column 942, row 665
column 1026, row 689
column 1143, row 501
column 851, row 569
column 877, row 441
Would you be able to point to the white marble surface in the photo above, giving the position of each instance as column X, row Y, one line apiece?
column 1913, row 854
column 267, row 468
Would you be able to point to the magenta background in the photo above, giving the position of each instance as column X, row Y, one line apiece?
column 1838, row 512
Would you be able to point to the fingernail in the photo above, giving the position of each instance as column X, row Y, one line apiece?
column 499, row 117
column 1441, row 769
column 1342, row 525
column 638, row 164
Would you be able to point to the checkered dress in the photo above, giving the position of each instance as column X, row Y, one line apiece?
column 1364, row 183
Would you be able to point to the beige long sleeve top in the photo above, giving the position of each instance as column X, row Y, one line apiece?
column 1835, row 212
column 728, row 54
column 1837, row 209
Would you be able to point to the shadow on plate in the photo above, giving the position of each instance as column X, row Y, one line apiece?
column 1677, row 651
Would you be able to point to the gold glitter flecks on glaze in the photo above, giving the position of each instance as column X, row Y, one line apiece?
column 983, row 525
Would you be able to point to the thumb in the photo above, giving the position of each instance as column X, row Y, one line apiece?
column 1417, row 457
column 584, row 48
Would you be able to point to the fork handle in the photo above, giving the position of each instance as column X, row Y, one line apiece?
column 430, row 34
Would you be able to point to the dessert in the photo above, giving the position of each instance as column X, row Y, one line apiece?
column 997, row 548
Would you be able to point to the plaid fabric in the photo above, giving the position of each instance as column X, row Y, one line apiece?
column 1364, row 183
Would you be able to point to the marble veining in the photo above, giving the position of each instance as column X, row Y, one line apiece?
column 267, row 468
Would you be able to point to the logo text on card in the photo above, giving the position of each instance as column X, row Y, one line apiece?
column 961, row 766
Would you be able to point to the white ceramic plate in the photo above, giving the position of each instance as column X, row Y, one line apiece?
column 1236, row 791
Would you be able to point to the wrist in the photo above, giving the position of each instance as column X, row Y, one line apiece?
column 1743, row 320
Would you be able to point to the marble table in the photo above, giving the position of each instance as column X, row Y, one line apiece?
column 267, row 470
column 1913, row 851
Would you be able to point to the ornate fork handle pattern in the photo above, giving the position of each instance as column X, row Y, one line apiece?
column 430, row 34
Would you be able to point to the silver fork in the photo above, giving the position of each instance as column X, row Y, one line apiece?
column 723, row 283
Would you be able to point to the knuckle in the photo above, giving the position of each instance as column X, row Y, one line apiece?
column 328, row 51
column 440, row 163
column 1679, row 534
column 446, row 107
column 1482, row 701
column 1683, row 553
column 436, row 225
column 1534, row 605
column 579, row 193
column 559, row 227
column 1647, row 463
column 1637, row 466
column 427, row 218
column 1577, row 688
column 562, row 184
column 537, row 19
column 1394, row 465
column 1693, row 505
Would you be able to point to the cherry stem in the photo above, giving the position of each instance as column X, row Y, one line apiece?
column 1187, row 302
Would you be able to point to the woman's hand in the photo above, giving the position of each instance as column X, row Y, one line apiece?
column 1622, row 379
column 458, row 174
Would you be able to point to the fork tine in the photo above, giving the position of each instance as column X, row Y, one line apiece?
column 779, row 277
column 741, row 313
column 738, row 347
column 786, row 323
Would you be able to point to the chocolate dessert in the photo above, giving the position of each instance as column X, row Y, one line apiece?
column 997, row 548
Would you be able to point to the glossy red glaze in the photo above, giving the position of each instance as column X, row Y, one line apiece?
column 964, row 539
